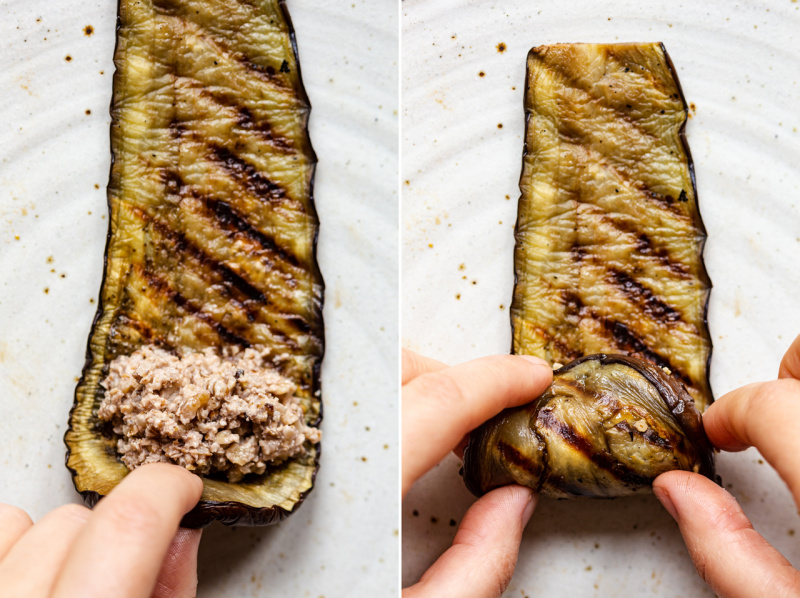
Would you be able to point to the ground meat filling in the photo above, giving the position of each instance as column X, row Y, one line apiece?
column 208, row 412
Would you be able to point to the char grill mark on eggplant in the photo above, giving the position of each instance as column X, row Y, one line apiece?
column 607, row 426
column 213, row 228
column 609, row 238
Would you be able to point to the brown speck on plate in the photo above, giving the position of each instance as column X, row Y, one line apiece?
column 88, row 30
column 501, row 47
column 481, row 74
column 68, row 58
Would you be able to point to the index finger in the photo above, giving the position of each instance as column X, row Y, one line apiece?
column 790, row 364
column 121, row 548
column 415, row 365
column 763, row 415
column 440, row 407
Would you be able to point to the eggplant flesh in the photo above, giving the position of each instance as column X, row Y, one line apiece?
column 213, row 228
column 609, row 238
column 607, row 426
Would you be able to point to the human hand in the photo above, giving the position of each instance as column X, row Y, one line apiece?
column 441, row 405
column 128, row 546
column 734, row 559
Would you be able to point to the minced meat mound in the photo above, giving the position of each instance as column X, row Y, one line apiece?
column 208, row 412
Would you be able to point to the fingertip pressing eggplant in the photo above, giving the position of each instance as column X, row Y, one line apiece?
column 607, row 426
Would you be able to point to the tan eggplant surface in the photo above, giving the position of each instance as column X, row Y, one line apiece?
column 609, row 239
column 607, row 426
column 213, row 228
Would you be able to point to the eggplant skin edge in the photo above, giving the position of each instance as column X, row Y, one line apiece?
column 230, row 513
column 227, row 513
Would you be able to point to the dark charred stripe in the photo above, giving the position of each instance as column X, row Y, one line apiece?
column 668, row 203
column 614, row 405
column 644, row 297
column 644, row 244
column 569, row 80
column 247, row 175
column 558, row 345
column 511, row 455
column 164, row 288
column 167, row 8
column 262, row 129
column 235, row 223
column 646, row 247
column 648, row 436
column 602, row 460
column 232, row 220
column 250, row 299
column 230, row 279
column 134, row 323
column 581, row 390
column 225, row 98
column 624, row 339
column 627, row 340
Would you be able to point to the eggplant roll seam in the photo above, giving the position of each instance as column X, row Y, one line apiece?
column 212, row 232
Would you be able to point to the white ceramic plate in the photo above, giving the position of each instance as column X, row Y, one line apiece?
column 739, row 64
column 53, row 174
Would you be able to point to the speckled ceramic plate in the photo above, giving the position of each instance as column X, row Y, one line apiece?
column 55, row 89
column 462, row 80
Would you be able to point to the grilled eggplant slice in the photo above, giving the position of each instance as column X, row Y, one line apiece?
column 606, row 427
column 609, row 239
column 213, row 228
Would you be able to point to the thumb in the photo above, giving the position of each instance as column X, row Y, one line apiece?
column 481, row 560
column 730, row 556
column 178, row 575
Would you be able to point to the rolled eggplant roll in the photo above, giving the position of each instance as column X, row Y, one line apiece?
column 606, row 427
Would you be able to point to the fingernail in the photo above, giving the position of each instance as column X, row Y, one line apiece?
column 529, row 507
column 663, row 496
column 535, row 360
